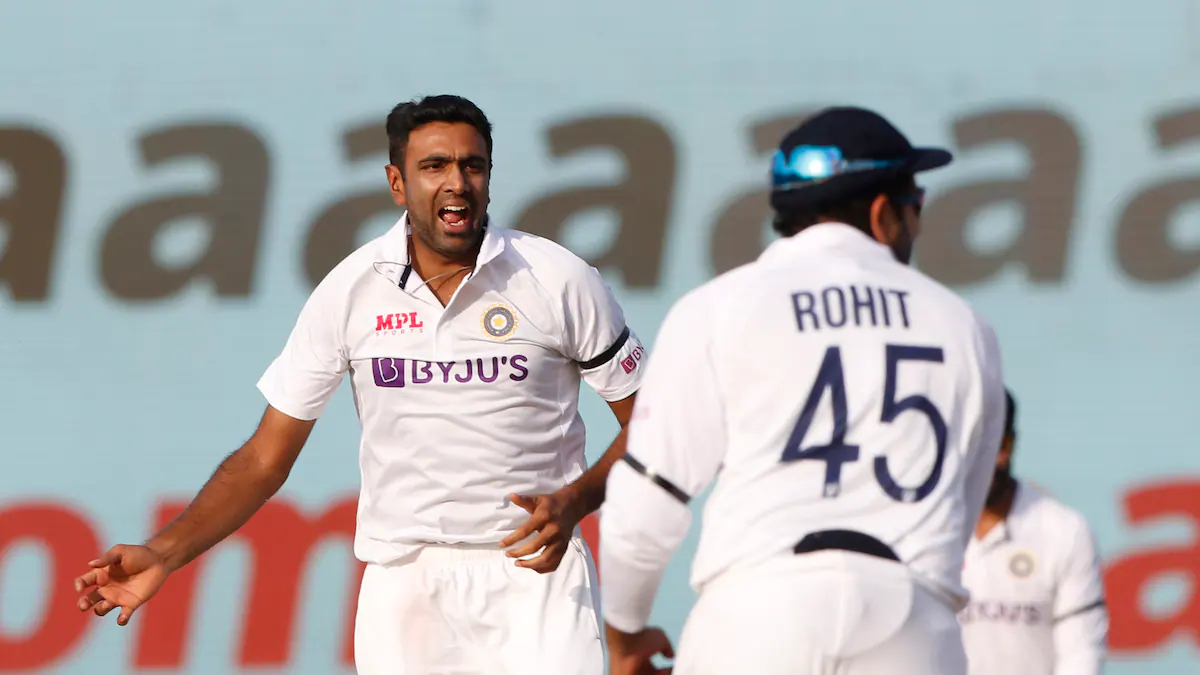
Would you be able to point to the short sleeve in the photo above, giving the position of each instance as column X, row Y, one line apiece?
column 1080, row 614
column 1080, row 586
column 609, row 353
column 305, row 375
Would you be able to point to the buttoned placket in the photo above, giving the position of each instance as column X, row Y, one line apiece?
column 422, row 292
column 1002, row 532
column 489, row 251
column 996, row 537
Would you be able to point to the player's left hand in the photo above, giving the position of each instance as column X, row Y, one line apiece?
column 631, row 653
column 553, row 517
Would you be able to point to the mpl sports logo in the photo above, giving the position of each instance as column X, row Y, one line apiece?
column 398, row 324
column 630, row 363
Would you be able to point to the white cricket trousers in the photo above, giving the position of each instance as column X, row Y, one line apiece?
column 468, row 610
column 820, row 613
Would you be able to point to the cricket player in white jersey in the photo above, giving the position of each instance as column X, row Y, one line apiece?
column 1037, row 595
column 849, row 410
column 465, row 345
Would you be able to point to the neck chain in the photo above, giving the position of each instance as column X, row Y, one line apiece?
column 426, row 282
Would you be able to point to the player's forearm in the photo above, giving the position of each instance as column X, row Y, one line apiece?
column 236, row 490
column 628, row 591
column 590, row 488
column 641, row 528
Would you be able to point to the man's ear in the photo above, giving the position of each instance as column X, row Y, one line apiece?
column 396, row 184
column 885, row 223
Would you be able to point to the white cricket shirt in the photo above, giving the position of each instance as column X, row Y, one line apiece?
column 1037, row 598
column 460, row 406
column 823, row 386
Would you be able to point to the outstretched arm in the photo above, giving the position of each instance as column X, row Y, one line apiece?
column 242, row 483
column 127, row 576
column 297, row 386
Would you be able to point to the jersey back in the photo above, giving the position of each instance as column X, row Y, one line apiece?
column 854, row 398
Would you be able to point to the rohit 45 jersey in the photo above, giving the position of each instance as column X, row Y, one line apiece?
column 823, row 386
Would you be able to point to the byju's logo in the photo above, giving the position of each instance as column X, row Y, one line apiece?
column 398, row 324
column 630, row 363
column 398, row 373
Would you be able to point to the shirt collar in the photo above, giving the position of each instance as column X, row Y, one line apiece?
column 1001, row 532
column 826, row 236
column 396, row 243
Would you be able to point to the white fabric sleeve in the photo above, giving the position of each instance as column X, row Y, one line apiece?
column 676, row 444
column 1080, row 615
column 302, row 379
column 989, row 433
column 609, row 353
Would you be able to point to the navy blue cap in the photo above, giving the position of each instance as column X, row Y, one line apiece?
column 841, row 153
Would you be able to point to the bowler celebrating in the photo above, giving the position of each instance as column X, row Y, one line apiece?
column 465, row 345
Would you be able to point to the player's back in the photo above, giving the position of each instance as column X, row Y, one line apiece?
column 853, row 387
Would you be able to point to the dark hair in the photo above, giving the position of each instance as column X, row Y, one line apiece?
column 410, row 115
column 1010, row 414
column 853, row 210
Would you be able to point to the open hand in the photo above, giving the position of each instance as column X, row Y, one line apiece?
column 125, row 577
column 553, row 517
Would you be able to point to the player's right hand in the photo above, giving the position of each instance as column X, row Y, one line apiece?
column 125, row 577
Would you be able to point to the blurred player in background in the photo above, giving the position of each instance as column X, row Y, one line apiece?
column 1037, row 599
column 465, row 346
column 849, row 409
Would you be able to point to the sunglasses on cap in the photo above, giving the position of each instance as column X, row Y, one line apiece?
column 808, row 164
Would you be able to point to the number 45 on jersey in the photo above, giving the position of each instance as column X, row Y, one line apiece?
column 837, row 453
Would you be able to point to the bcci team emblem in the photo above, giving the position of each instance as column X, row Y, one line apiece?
column 1021, row 565
column 499, row 321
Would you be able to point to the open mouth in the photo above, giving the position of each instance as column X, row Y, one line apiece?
column 454, row 215
column 455, row 219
